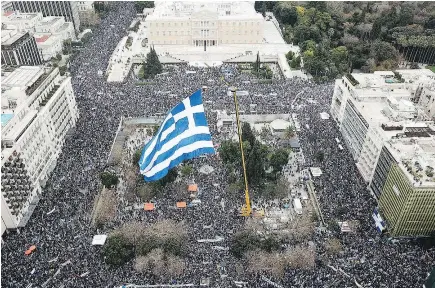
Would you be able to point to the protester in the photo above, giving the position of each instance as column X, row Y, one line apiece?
column 63, row 237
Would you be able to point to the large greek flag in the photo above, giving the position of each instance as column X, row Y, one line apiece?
column 183, row 135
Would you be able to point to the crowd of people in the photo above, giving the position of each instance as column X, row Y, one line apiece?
column 65, row 256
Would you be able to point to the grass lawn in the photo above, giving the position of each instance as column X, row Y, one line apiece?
column 432, row 68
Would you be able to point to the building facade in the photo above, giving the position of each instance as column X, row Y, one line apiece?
column 38, row 109
column 407, row 200
column 19, row 49
column 372, row 108
column 199, row 24
column 67, row 9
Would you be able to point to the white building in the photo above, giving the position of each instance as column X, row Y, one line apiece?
column 48, row 45
column 49, row 32
column 370, row 109
column 85, row 6
column 38, row 109
column 204, row 23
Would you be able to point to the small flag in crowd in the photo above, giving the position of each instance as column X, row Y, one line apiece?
column 183, row 135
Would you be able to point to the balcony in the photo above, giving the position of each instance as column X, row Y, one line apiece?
column 49, row 95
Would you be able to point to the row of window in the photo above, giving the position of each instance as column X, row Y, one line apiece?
column 203, row 33
column 187, row 42
column 205, row 24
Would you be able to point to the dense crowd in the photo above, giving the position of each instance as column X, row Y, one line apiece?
column 65, row 256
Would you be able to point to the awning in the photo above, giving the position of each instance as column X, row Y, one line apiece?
column 181, row 204
column 192, row 188
column 148, row 207
column 30, row 250
column 99, row 239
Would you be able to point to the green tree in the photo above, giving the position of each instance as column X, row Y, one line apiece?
column 255, row 165
column 376, row 29
column 242, row 242
column 136, row 156
column 117, row 250
column 186, row 170
column 229, row 152
column 406, row 16
column 290, row 54
column 109, row 179
column 152, row 64
column 140, row 5
column 289, row 132
column 381, row 51
column 263, row 9
column 278, row 159
column 320, row 156
column 168, row 178
column 296, row 63
column 247, row 134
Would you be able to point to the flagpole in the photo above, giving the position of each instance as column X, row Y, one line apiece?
column 246, row 210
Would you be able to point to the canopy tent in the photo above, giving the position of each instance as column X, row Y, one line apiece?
column 192, row 188
column 149, row 207
column 30, row 250
column 99, row 240
column 181, row 204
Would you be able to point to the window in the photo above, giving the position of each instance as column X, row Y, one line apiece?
column 163, row 24
column 169, row 33
column 164, row 34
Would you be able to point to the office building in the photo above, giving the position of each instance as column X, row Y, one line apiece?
column 19, row 49
column 49, row 32
column 38, row 109
column 370, row 109
column 407, row 199
column 6, row 6
column 67, row 9
column 199, row 24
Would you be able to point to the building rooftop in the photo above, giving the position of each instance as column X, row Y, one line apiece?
column 22, row 77
column 42, row 38
column 416, row 157
column 13, row 38
column 50, row 20
column 5, row 118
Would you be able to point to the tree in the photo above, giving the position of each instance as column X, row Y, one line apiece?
column 405, row 16
column 58, row 57
column 229, row 152
column 117, row 250
column 152, row 64
column 255, row 165
column 289, row 132
column 109, row 179
column 247, row 134
column 290, row 54
column 140, row 5
column 278, row 159
column 376, row 29
column 186, row 170
column 168, row 178
column 296, row 63
column 320, row 156
column 381, row 51
column 136, row 156
column 263, row 9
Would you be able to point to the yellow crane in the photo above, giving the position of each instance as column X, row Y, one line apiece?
column 246, row 209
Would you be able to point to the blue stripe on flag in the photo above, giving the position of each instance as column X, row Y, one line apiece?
column 200, row 119
column 184, row 142
column 195, row 99
column 177, row 161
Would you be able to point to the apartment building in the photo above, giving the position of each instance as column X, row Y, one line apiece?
column 19, row 48
column 370, row 109
column 49, row 32
column 38, row 109
column 407, row 199
column 200, row 24
column 67, row 9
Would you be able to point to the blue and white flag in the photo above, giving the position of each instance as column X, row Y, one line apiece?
column 183, row 135
column 379, row 222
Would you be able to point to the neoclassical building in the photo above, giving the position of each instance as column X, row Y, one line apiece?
column 204, row 23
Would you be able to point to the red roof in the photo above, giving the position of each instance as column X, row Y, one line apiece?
column 42, row 39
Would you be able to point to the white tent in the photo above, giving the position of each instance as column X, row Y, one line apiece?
column 99, row 240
